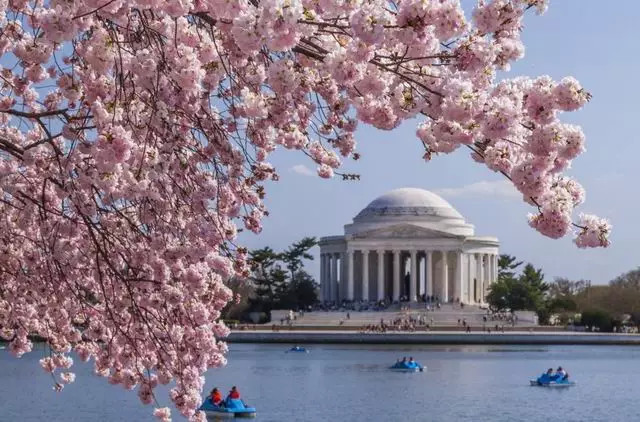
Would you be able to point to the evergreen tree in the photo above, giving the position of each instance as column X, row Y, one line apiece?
column 276, row 287
column 303, row 290
column 507, row 265
column 293, row 257
column 514, row 293
column 281, row 288
column 264, row 279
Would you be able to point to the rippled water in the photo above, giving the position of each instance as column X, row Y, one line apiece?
column 352, row 383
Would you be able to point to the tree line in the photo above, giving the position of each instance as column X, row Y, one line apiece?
column 564, row 301
column 278, row 280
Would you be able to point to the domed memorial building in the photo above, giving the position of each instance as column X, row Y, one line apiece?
column 407, row 244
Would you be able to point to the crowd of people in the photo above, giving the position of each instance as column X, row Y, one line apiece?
column 506, row 317
column 403, row 324
column 489, row 322
column 431, row 302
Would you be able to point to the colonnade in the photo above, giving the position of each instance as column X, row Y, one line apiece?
column 382, row 274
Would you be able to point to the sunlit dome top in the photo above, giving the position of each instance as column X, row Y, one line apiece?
column 408, row 202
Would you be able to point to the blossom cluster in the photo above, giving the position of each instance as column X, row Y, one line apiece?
column 135, row 138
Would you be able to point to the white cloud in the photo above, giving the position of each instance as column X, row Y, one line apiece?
column 496, row 189
column 302, row 170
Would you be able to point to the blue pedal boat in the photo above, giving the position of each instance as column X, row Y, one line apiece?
column 233, row 408
column 407, row 367
column 552, row 384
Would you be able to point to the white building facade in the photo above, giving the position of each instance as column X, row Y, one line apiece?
column 405, row 245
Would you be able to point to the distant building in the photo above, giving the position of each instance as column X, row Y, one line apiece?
column 408, row 243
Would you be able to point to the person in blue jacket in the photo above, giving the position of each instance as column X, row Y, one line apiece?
column 414, row 364
column 546, row 378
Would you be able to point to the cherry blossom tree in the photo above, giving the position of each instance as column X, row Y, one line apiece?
column 135, row 138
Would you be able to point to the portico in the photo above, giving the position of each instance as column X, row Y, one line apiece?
column 405, row 245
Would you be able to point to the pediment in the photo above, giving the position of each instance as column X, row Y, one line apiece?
column 403, row 231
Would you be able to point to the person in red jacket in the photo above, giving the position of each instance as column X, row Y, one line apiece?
column 216, row 397
column 234, row 393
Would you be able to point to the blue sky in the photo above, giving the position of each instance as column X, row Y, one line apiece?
column 586, row 39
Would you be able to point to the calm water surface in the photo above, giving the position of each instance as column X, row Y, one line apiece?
column 352, row 383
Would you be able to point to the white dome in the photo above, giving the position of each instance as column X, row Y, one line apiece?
column 409, row 202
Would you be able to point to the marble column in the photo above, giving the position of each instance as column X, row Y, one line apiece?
column 335, row 294
column 487, row 277
column 495, row 267
column 422, row 268
column 327, row 277
column 470, row 277
column 327, row 272
column 492, row 278
column 428, row 265
column 350, row 271
column 444, row 276
column 380, row 274
column 365, row 275
column 480, row 286
column 413, row 281
column 323, row 278
column 492, row 269
column 487, row 272
column 396, row 275
column 489, row 268
column 457, row 287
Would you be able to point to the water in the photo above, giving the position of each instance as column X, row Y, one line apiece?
column 352, row 383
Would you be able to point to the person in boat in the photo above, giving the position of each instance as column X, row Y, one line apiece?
column 414, row 364
column 563, row 376
column 234, row 393
column 401, row 363
column 546, row 378
column 216, row 397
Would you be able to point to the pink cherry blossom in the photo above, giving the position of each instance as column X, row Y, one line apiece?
column 68, row 377
column 47, row 364
column 136, row 138
column 325, row 171
column 570, row 95
column 163, row 414
column 593, row 231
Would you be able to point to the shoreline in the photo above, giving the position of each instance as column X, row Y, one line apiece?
column 439, row 337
